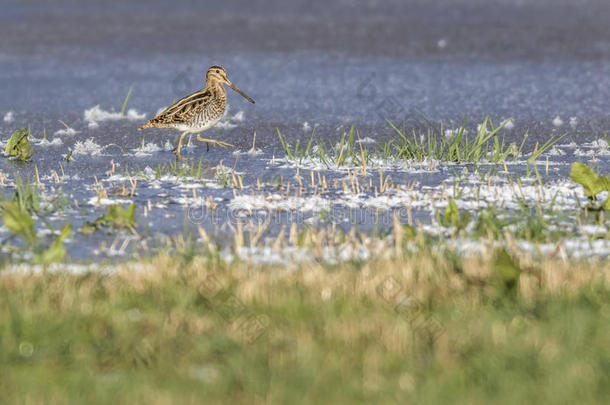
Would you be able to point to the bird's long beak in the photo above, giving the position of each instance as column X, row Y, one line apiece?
column 234, row 87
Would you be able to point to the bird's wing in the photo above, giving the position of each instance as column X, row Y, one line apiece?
column 184, row 108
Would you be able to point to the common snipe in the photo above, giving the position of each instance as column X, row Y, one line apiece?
column 199, row 111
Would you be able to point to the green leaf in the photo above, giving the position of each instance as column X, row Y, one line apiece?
column 488, row 222
column 451, row 216
column 18, row 221
column 56, row 252
column 410, row 232
column 19, row 145
column 68, row 157
column 505, row 274
column 120, row 218
column 125, row 101
column 591, row 182
column 116, row 216
column 89, row 228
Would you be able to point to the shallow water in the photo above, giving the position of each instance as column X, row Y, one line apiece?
column 309, row 66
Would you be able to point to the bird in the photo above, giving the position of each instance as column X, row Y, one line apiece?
column 198, row 111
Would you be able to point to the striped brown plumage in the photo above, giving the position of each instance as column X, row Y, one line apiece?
column 198, row 111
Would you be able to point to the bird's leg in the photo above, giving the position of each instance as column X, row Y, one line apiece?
column 207, row 145
column 176, row 144
column 214, row 142
column 188, row 144
column 179, row 146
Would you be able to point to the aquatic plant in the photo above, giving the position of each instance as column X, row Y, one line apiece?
column 16, row 218
column 455, row 145
column 56, row 251
column 592, row 183
column 21, row 224
column 435, row 144
column 347, row 152
column 458, row 147
column 222, row 176
column 19, row 145
column 125, row 101
column 115, row 217
column 27, row 195
column 453, row 218
column 505, row 276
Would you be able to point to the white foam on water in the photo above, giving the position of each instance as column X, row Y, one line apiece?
column 180, row 181
column 107, row 201
column 479, row 127
column 64, row 177
column 454, row 131
column 471, row 194
column 66, row 131
column 373, row 164
column 225, row 125
column 147, row 149
column 292, row 255
column 598, row 143
column 254, row 151
column 561, row 194
column 573, row 122
column 88, row 147
column 96, row 114
column 577, row 248
column 555, row 151
column 228, row 122
column 45, row 142
column 592, row 152
column 251, row 152
column 149, row 172
column 190, row 186
column 73, row 268
column 54, row 142
column 278, row 202
column 366, row 140
column 116, row 178
column 270, row 256
column 557, row 121
column 191, row 201
column 9, row 117
column 593, row 230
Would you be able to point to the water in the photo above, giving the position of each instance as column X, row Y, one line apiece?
column 308, row 65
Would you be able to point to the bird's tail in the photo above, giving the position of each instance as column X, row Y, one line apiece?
column 147, row 125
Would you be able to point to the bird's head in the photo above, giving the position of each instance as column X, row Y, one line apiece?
column 218, row 74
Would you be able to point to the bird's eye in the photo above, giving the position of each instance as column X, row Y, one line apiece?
column 218, row 71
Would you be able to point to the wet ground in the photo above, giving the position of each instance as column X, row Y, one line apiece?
column 308, row 65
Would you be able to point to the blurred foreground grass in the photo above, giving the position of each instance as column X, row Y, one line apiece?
column 426, row 329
